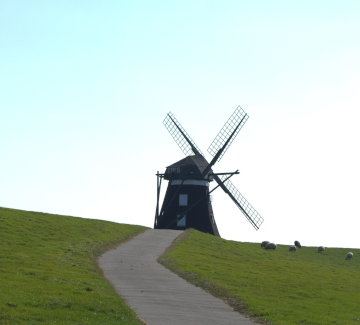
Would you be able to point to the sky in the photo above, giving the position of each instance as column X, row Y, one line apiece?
column 85, row 86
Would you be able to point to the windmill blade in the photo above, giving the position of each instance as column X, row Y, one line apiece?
column 228, row 133
column 245, row 207
column 181, row 137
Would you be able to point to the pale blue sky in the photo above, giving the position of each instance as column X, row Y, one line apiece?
column 85, row 86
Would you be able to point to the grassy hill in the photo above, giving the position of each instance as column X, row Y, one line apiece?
column 275, row 287
column 48, row 271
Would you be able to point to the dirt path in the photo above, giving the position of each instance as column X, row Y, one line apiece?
column 158, row 296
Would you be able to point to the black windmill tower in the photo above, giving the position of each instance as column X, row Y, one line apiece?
column 187, row 202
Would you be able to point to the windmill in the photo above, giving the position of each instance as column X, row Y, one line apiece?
column 187, row 201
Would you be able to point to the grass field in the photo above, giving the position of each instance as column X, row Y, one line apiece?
column 274, row 287
column 48, row 272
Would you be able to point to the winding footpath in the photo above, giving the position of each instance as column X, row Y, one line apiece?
column 158, row 296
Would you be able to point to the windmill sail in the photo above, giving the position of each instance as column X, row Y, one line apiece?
column 245, row 207
column 228, row 133
column 183, row 140
column 194, row 181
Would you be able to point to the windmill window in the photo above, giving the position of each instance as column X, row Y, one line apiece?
column 183, row 199
column 181, row 222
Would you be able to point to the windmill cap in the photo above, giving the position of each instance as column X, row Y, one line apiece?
column 191, row 167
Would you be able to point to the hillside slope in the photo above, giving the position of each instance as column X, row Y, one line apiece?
column 48, row 271
column 274, row 287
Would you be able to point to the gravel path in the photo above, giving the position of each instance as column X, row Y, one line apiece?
column 158, row 296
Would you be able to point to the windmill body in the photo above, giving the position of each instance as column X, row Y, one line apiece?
column 187, row 202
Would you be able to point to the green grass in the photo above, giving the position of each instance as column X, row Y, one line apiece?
column 48, row 270
column 278, row 287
